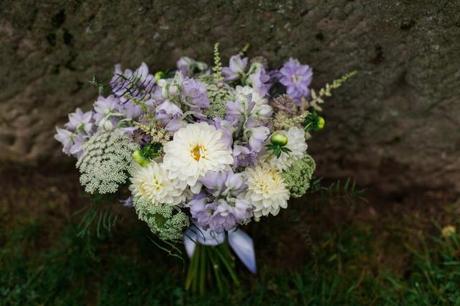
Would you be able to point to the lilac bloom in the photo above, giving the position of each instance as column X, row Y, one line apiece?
column 236, row 68
column 65, row 137
column 130, row 110
column 243, row 156
column 227, row 130
column 187, row 66
column 234, row 183
column 80, row 121
column 77, row 146
column 137, row 84
column 258, row 137
column 214, row 181
column 128, row 202
column 260, row 81
column 195, row 93
column 104, row 106
column 296, row 78
column 170, row 115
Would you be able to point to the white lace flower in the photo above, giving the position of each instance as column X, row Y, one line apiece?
column 266, row 191
column 196, row 149
column 297, row 146
column 152, row 183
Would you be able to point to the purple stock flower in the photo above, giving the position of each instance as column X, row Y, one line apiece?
column 223, row 183
column 296, row 78
column 237, row 66
column 80, row 121
column 72, row 144
column 130, row 110
column 260, row 81
column 170, row 115
column 219, row 215
column 128, row 84
column 258, row 137
column 65, row 137
column 187, row 66
column 104, row 106
column 77, row 146
column 243, row 156
column 195, row 93
column 227, row 130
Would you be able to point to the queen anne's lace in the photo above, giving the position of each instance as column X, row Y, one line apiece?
column 105, row 161
column 297, row 177
column 163, row 220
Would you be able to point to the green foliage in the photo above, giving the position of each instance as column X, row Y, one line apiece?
column 277, row 149
column 126, row 271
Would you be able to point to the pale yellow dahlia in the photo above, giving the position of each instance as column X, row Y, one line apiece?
column 266, row 190
column 152, row 184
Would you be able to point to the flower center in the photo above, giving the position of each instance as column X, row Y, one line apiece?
column 295, row 78
column 198, row 152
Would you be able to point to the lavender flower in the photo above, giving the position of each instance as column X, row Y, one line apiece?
column 128, row 84
column 195, row 93
column 105, row 106
column 170, row 115
column 80, row 121
column 296, row 78
column 258, row 137
column 236, row 68
column 188, row 66
column 260, row 81
column 219, row 215
column 224, row 183
column 65, row 137
column 243, row 156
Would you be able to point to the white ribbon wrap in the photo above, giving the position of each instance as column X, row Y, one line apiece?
column 239, row 241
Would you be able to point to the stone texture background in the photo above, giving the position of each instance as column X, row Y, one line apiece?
column 394, row 126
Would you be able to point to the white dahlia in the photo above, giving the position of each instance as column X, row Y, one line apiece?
column 266, row 190
column 196, row 149
column 297, row 146
column 152, row 183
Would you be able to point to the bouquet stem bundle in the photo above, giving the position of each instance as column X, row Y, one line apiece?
column 211, row 265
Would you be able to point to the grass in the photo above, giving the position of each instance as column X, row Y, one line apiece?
column 334, row 250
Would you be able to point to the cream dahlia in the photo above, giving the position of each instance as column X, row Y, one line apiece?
column 297, row 146
column 152, row 183
column 196, row 149
column 266, row 190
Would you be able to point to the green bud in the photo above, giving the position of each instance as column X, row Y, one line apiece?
column 321, row 123
column 138, row 158
column 279, row 139
column 159, row 75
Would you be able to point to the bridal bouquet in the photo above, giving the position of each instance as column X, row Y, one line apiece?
column 202, row 151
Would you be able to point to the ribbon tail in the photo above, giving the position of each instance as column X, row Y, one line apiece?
column 190, row 242
column 243, row 246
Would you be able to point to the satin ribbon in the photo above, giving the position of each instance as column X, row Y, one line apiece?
column 239, row 241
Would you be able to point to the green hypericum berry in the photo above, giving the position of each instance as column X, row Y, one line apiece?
column 138, row 158
column 321, row 123
column 314, row 122
column 279, row 139
column 160, row 75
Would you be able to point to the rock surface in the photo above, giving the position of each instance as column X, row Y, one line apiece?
column 395, row 125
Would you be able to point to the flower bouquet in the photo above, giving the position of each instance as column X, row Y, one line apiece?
column 202, row 151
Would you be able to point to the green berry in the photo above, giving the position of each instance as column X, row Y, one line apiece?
column 321, row 123
column 160, row 75
column 138, row 158
column 279, row 139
